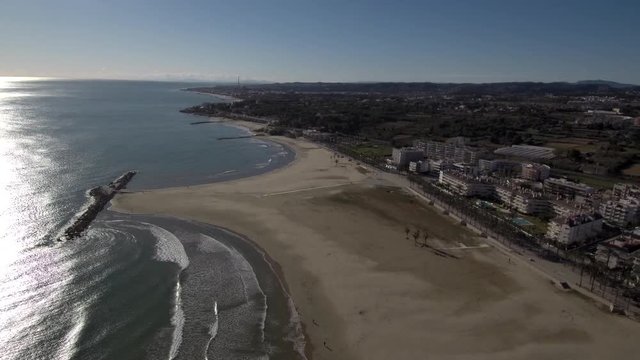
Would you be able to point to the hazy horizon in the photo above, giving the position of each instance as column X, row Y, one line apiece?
column 329, row 41
column 251, row 81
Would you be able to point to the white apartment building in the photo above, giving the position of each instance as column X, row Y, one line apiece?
column 535, row 172
column 403, row 156
column 622, row 190
column 466, row 185
column 501, row 166
column 622, row 213
column 575, row 229
column 567, row 188
column 419, row 167
column 453, row 150
column 522, row 200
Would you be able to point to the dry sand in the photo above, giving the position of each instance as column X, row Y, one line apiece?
column 366, row 292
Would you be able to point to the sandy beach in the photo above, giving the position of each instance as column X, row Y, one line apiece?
column 365, row 291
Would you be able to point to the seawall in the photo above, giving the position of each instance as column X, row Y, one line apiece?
column 100, row 196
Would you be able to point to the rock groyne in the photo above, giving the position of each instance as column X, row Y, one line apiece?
column 100, row 196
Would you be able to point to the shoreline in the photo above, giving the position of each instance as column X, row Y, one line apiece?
column 225, row 98
column 238, row 124
column 327, row 226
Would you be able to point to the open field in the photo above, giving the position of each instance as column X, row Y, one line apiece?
column 596, row 181
column 581, row 144
column 373, row 151
column 365, row 291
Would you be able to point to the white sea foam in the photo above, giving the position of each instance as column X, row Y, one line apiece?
column 177, row 320
column 228, row 172
column 168, row 247
column 251, row 286
column 213, row 329
column 295, row 335
column 72, row 338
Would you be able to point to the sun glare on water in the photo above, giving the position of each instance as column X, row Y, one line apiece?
column 10, row 181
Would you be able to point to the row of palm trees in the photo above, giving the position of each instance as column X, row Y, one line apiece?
column 617, row 284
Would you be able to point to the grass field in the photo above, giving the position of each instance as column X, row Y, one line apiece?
column 600, row 182
column 584, row 145
column 538, row 226
column 375, row 151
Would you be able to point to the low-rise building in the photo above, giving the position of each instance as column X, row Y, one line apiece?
column 403, row 156
column 623, row 213
column 566, row 208
column 621, row 250
column 575, row 229
column 521, row 199
column 527, row 152
column 567, row 188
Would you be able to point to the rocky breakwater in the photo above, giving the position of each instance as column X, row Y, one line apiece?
column 100, row 196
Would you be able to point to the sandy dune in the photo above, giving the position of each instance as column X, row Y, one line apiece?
column 363, row 289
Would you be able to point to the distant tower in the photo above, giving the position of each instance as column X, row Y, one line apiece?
column 238, row 80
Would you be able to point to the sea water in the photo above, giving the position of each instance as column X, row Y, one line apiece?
column 133, row 287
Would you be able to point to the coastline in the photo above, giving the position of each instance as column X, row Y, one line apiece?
column 363, row 291
column 226, row 98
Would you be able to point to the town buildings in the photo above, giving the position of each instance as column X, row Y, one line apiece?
column 567, row 188
column 453, row 150
column 569, row 230
column 419, row 167
column 620, row 251
column 401, row 157
column 535, row 172
column 622, row 190
column 513, row 195
column 522, row 199
column 466, row 185
column 500, row 167
column 622, row 213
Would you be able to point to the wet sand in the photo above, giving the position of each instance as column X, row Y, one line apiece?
column 365, row 291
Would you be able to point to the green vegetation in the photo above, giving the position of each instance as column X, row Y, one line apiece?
column 489, row 116
column 596, row 181
column 539, row 227
column 371, row 150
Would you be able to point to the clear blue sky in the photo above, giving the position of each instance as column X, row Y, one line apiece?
column 323, row 40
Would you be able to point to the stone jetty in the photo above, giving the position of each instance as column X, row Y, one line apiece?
column 100, row 196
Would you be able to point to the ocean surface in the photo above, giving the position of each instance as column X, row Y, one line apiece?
column 133, row 287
